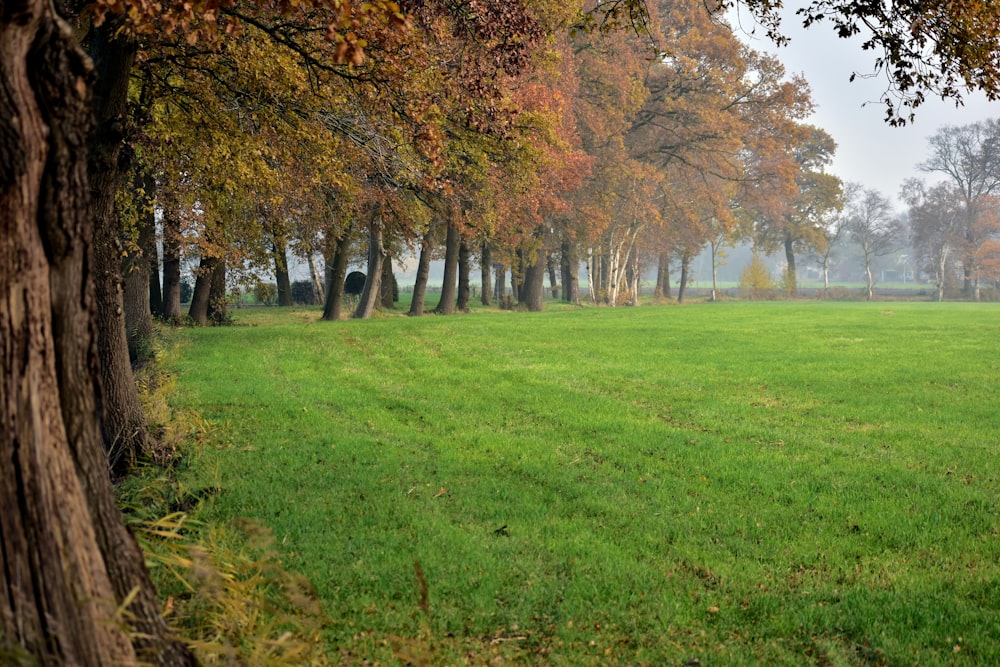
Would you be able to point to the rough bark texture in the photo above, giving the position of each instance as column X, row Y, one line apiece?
column 376, row 255
column 65, row 554
column 198, row 312
column 569, row 262
column 217, row 294
column 125, row 428
column 464, row 266
column 486, row 275
column 532, row 294
column 319, row 292
column 449, row 284
column 388, row 291
column 423, row 273
column 171, row 311
column 336, row 271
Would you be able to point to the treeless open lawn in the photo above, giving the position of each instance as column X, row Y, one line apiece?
column 727, row 484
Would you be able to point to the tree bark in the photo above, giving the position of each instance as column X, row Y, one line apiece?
column 138, row 272
column 570, row 269
column 791, row 276
column 550, row 263
column 388, row 293
column 66, row 558
column 125, row 428
column 279, row 254
column 217, row 294
column 464, row 266
column 319, row 293
column 533, row 289
column 423, row 274
column 486, row 274
column 376, row 255
column 682, row 287
column 336, row 272
column 449, row 285
column 171, row 312
column 198, row 312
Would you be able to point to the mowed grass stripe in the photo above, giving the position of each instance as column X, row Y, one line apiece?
column 738, row 483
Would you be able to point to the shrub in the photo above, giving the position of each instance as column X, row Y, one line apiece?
column 755, row 281
column 266, row 294
column 303, row 292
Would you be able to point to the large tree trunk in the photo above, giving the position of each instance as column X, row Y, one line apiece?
column 66, row 558
column 198, row 312
column 376, row 255
column 171, row 312
column 662, row 290
column 336, row 272
column 279, row 254
column 217, row 294
column 464, row 266
column 126, row 431
column 486, row 274
column 388, row 284
column 138, row 270
column 449, row 285
column 532, row 294
column 570, row 269
column 791, row 276
column 423, row 274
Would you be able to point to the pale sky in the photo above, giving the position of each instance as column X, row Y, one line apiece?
column 869, row 151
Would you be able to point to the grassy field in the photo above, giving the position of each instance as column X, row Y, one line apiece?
column 727, row 484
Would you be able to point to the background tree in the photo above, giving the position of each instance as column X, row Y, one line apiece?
column 874, row 226
column 936, row 217
column 969, row 157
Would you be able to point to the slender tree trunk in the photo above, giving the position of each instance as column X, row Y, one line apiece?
column 550, row 263
column 388, row 296
column 67, row 562
column 279, row 253
column 569, row 262
column 376, row 255
column 485, row 272
column 423, row 273
column 464, row 266
column 149, row 248
column 336, row 272
column 198, row 313
column 871, row 279
column 791, row 275
column 138, row 271
column 682, row 286
column 533, row 289
column 319, row 295
column 171, row 312
column 449, row 285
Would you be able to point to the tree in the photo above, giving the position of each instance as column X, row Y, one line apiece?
column 873, row 225
column 67, row 558
column 969, row 157
column 936, row 218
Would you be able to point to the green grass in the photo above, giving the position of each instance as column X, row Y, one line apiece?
column 738, row 483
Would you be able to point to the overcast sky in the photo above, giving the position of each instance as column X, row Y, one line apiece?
column 869, row 151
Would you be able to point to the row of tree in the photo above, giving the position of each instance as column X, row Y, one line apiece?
column 512, row 128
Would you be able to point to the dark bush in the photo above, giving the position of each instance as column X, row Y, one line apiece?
column 186, row 291
column 303, row 293
column 354, row 284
